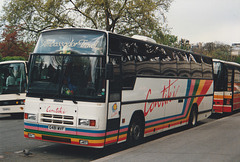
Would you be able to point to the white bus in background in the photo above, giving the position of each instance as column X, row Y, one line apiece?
column 94, row 88
column 13, row 84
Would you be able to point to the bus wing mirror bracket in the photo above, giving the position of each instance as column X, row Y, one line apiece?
column 109, row 71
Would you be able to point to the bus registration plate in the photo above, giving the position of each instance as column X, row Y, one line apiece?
column 56, row 128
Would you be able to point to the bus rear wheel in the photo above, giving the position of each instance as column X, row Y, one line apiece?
column 135, row 132
column 192, row 122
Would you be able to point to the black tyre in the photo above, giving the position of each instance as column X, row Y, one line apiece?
column 192, row 122
column 135, row 131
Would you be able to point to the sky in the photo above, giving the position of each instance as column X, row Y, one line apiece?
column 1, row 4
column 205, row 20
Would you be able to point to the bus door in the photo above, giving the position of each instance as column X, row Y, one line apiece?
column 114, row 104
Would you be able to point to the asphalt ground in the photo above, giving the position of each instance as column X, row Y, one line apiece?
column 214, row 141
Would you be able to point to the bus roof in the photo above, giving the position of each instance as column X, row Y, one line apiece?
column 97, row 30
column 137, row 38
column 12, row 61
column 227, row 62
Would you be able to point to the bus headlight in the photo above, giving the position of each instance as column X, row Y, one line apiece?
column 30, row 116
column 30, row 135
column 23, row 102
column 83, row 142
column 87, row 122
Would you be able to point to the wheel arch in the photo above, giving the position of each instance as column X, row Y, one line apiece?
column 136, row 117
column 195, row 106
column 193, row 116
column 138, row 114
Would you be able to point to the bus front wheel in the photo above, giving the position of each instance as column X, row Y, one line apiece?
column 136, row 131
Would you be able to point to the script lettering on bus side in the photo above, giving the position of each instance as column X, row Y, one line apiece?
column 55, row 110
column 78, row 44
column 168, row 91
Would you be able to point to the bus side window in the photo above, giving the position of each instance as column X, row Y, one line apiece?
column 220, row 80
column 3, row 73
column 237, row 80
column 196, row 66
column 147, row 61
column 230, row 77
column 115, row 83
column 183, row 65
column 114, row 45
column 207, row 67
column 168, row 62
column 128, row 64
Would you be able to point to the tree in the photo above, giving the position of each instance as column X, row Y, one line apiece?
column 11, row 45
column 8, row 58
column 238, row 59
column 215, row 50
column 126, row 17
column 166, row 39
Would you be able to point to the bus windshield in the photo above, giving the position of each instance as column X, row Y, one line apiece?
column 72, row 42
column 12, row 78
column 73, row 77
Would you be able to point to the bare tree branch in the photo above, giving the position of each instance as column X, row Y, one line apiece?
column 87, row 16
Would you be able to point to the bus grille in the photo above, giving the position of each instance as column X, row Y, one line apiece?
column 57, row 119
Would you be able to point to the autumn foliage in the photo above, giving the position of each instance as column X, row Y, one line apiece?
column 12, row 44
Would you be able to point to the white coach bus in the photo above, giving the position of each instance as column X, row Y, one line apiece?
column 13, row 84
column 94, row 88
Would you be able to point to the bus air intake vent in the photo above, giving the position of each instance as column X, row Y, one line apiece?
column 57, row 119
column 57, row 139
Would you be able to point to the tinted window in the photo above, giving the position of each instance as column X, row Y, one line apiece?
column 237, row 80
column 196, row 66
column 12, row 78
column 67, row 77
column 129, row 52
column 229, row 78
column 168, row 62
column 183, row 64
column 115, row 83
column 72, row 42
column 220, row 78
column 140, row 58
column 207, row 67
column 147, row 60
column 114, row 45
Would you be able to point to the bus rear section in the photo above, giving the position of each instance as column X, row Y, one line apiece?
column 226, row 86
column 13, row 82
